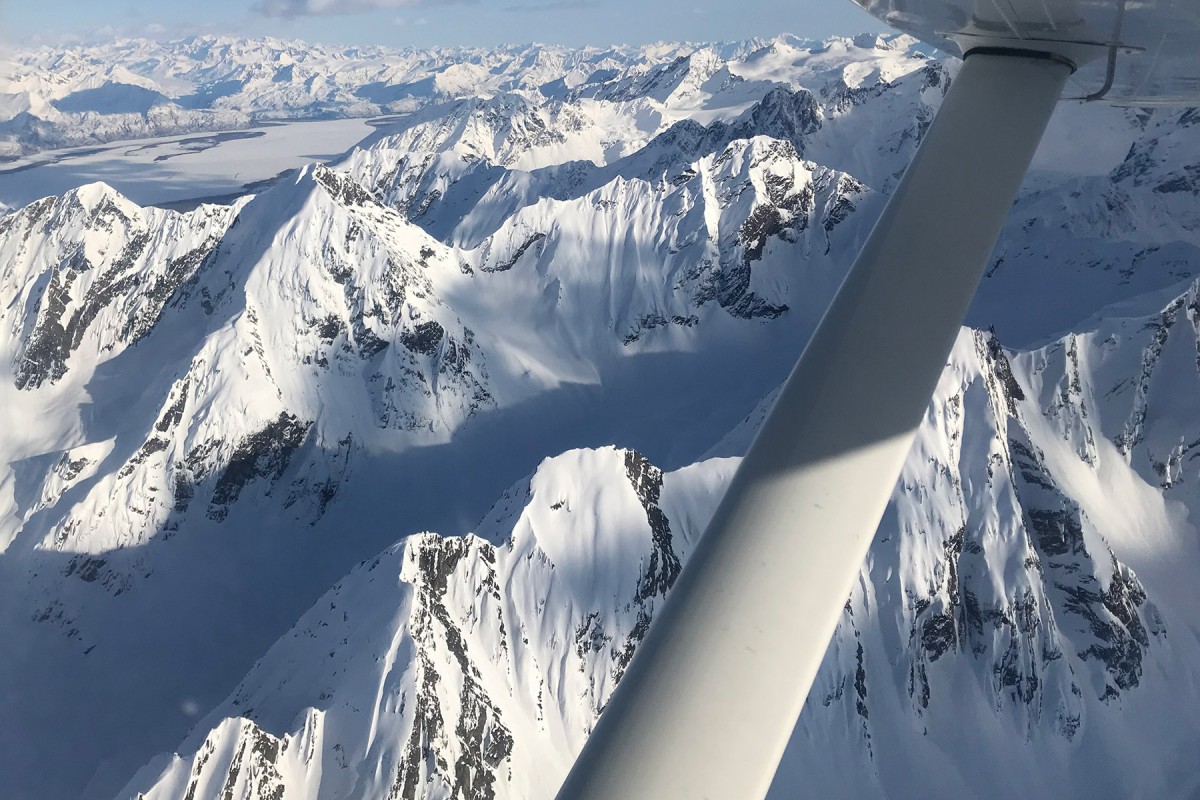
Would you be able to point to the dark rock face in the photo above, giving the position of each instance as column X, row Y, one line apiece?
column 343, row 189
column 649, row 322
column 1071, row 604
column 68, row 468
column 51, row 342
column 1188, row 183
column 140, row 280
column 661, row 570
column 480, row 737
column 511, row 261
column 784, row 216
column 992, row 353
column 424, row 370
column 257, row 756
column 1091, row 592
column 1133, row 433
column 947, row 627
column 764, row 222
column 1112, row 616
column 94, row 569
column 254, row 766
column 843, row 680
column 1110, row 613
column 319, row 491
column 791, row 116
column 664, row 565
column 939, row 635
column 425, row 338
column 159, row 440
column 428, row 727
column 262, row 455
column 788, row 116
column 841, row 207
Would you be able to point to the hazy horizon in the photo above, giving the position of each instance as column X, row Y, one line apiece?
column 413, row 23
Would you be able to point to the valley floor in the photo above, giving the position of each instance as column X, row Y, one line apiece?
column 183, row 170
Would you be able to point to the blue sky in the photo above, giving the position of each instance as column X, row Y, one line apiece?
column 422, row 23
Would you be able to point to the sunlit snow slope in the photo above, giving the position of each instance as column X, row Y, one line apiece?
column 568, row 281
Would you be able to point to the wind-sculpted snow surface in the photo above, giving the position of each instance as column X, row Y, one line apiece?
column 209, row 418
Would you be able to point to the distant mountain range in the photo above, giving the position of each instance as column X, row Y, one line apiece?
column 135, row 88
column 370, row 484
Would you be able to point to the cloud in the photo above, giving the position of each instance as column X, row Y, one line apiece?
column 135, row 30
column 322, row 8
column 552, row 5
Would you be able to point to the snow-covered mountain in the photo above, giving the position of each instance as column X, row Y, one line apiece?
column 993, row 601
column 133, row 88
column 571, row 281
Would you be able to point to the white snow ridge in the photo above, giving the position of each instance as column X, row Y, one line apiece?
column 487, row 377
